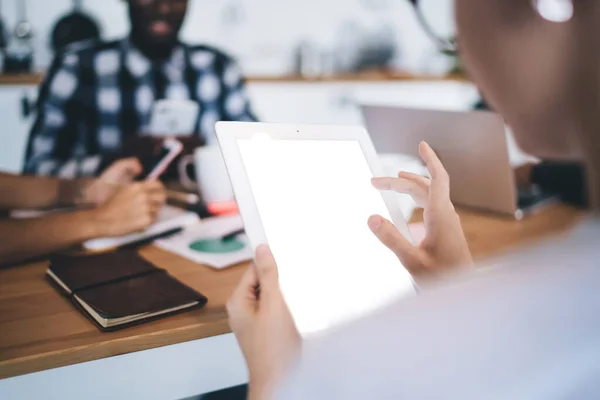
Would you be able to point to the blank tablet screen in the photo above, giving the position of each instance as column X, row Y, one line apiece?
column 314, row 198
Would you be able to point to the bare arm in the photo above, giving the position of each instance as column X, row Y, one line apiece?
column 22, row 239
column 26, row 192
column 131, row 209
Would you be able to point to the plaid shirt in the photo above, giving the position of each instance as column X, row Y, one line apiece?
column 95, row 95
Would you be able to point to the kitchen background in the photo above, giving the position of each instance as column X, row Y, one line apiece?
column 262, row 34
column 282, row 46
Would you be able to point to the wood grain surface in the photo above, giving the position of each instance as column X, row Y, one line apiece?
column 40, row 329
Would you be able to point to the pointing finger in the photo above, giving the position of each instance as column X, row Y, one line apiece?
column 440, row 182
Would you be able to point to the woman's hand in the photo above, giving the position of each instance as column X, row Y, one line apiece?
column 263, row 325
column 444, row 248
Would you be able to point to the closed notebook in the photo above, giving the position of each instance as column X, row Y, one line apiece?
column 121, row 288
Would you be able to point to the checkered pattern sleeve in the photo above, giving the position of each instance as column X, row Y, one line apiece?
column 56, row 146
column 220, row 89
column 236, row 101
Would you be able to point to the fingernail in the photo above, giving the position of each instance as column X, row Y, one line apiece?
column 378, row 183
column 374, row 223
column 263, row 251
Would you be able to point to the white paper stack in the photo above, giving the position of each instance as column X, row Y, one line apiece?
column 168, row 219
column 210, row 228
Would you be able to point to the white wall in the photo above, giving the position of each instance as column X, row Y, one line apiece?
column 263, row 39
column 266, row 31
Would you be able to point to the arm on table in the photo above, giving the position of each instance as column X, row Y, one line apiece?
column 22, row 239
column 132, row 208
column 27, row 192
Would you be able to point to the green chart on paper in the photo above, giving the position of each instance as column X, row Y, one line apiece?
column 217, row 246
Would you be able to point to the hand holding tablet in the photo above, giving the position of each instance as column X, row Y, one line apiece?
column 444, row 247
column 264, row 312
column 306, row 191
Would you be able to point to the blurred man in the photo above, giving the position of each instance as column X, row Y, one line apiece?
column 99, row 95
column 111, row 210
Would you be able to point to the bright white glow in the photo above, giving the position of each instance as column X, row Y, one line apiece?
column 261, row 136
column 314, row 199
column 555, row 10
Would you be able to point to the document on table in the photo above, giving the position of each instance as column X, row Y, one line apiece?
column 169, row 218
column 203, row 243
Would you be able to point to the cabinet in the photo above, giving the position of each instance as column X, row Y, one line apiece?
column 308, row 103
column 15, row 126
column 337, row 102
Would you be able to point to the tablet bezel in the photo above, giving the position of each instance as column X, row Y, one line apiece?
column 229, row 132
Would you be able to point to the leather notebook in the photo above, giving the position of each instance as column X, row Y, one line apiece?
column 120, row 289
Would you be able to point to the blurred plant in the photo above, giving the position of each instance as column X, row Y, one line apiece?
column 457, row 64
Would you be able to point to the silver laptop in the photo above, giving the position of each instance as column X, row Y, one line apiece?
column 472, row 146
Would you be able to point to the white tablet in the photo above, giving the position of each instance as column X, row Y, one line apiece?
column 306, row 191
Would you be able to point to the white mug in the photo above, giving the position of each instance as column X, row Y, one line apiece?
column 212, row 179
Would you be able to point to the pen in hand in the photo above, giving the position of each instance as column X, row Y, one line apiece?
column 232, row 235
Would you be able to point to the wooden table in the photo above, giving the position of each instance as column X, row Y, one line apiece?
column 41, row 330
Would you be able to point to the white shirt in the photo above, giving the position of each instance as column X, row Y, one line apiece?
column 529, row 329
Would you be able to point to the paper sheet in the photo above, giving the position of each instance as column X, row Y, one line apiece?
column 211, row 229
column 169, row 218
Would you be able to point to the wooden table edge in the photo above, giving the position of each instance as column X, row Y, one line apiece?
column 97, row 351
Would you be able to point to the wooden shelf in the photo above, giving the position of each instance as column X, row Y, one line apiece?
column 353, row 78
column 36, row 78
column 21, row 79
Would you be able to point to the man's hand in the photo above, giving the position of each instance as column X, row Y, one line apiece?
column 98, row 191
column 132, row 208
column 263, row 325
column 444, row 248
column 122, row 171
